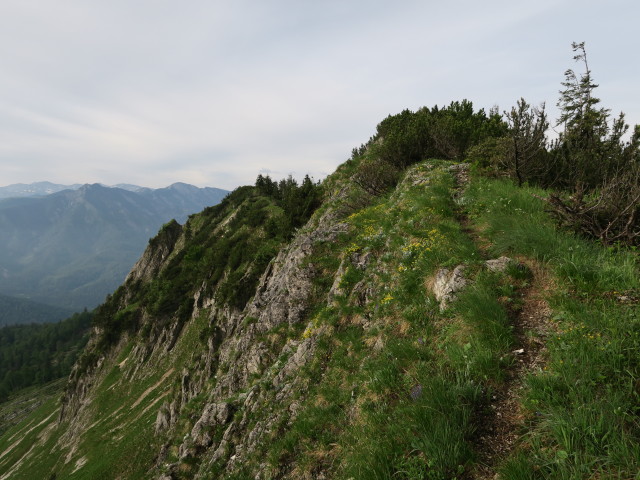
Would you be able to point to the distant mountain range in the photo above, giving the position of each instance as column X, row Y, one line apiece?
column 40, row 189
column 72, row 247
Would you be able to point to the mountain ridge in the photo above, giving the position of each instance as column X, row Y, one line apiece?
column 412, row 316
column 72, row 247
column 44, row 188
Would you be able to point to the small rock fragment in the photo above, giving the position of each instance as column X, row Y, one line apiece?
column 498, row 265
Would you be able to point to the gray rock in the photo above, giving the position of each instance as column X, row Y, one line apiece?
column 448, row 284
column 163, row 418
column 498, row 264
column 213, row 414
column 301, row 356
column 361, row 260
column 335, row 290
column 362, row 293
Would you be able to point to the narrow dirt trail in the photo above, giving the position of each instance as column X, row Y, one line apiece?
column 500, row 422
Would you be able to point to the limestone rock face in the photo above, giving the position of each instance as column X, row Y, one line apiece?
column 336, row 290
column 213, row 414
column 299, row 358
column 447, row 284
column 163, row 419
column 242, row 353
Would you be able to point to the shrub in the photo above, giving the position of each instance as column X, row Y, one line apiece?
column 376, row 177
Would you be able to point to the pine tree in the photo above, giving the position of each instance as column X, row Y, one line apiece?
column 584, row 146
column 527, row 127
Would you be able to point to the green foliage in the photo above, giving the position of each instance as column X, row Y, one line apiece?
column 490, row 155
column 36, row 354
column 527, row 127
column 595, row 170
column 583, row 404
column 590, row 149
column 111, row 322
column 268, row 216
column 592, row 158
column 167, row 234
column 409, row 137
column 297, row 201
column 375, row 176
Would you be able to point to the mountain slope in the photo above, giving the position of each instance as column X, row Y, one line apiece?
column 420, row 321
column 71, row 248
column 343, row 362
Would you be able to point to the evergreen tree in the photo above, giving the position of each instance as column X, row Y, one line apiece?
column 527, row 127
column 588, row 150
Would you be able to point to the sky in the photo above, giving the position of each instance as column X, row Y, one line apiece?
column 213, row 93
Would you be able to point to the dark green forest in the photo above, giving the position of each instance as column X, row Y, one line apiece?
column 17, row 310
column 38, row 353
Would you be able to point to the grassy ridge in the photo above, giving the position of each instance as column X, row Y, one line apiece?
column 584, row 405
column 395, row 382
column 397, row 387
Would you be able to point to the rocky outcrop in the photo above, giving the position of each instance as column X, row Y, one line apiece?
column 156, row 254
column 357, row 260
column 447, row 284
column 240, row 352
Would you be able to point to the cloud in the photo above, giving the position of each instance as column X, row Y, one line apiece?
column 212, row 92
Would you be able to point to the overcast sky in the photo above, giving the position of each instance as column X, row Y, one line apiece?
column 212, row 93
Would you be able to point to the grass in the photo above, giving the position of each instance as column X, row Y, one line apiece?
column 406, row 410
column 584, row 405
column 396, row 392
column 118, row 426
column 20, row 404
column 17, row 443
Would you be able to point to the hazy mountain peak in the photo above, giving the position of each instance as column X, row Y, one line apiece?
column 41, row 189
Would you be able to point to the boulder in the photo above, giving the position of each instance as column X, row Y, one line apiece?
column 447, row 284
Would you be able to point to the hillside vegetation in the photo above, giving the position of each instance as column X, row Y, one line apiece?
column 420, row 314
column 36, row 354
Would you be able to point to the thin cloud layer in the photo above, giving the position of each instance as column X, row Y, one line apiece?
column 213, row 93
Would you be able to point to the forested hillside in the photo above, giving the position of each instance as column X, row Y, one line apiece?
column 18, row 310
column 38, row 353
